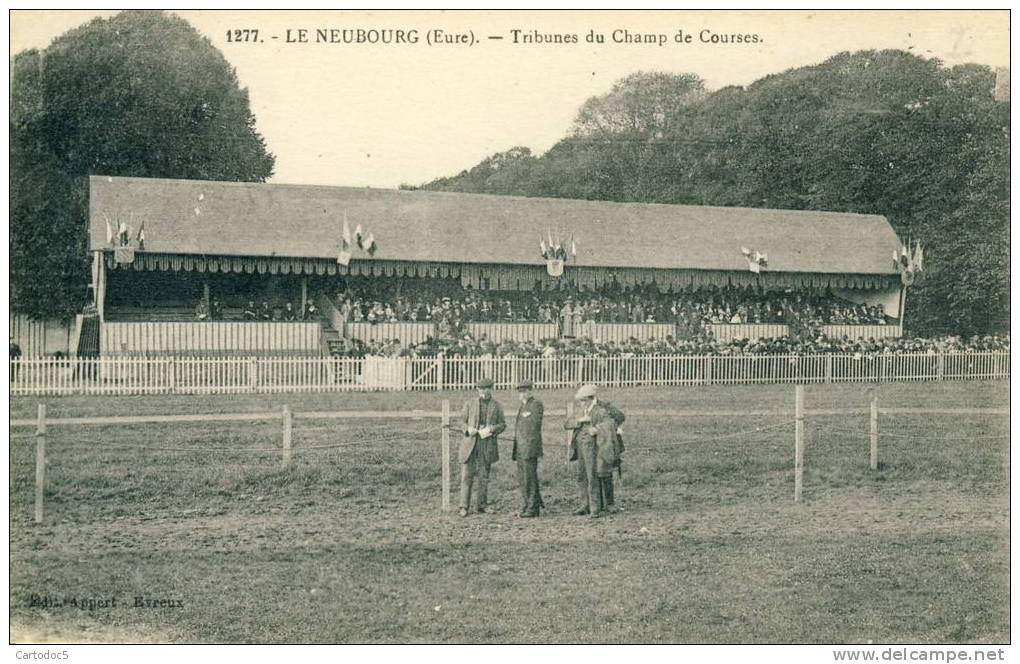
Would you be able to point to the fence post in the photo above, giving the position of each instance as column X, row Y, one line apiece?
column 287, row 428
column 708, row 370
column 440, row 370
column 40, row 462
column 171, row 374
column 446, row 455
column 253, row 374
column 570, row 432
column 874, row 429
column 940, row 363
column 828, row 368
column 798, row 442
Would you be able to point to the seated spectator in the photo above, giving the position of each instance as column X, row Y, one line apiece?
column 202, row 310
column 249, row 311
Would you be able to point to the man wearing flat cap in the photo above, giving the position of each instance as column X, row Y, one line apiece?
column 481, row 421
column 595, row 447
column 527, row 449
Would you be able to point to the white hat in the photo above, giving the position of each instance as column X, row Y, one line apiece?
column 585, row 391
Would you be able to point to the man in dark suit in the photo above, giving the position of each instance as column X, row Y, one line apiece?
column 481, row 421
column 527, row 449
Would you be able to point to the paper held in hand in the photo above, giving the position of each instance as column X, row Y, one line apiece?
column 484, row 432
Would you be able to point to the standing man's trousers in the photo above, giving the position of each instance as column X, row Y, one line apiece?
column 587, row 479
column 474, row 475
column 527, row 479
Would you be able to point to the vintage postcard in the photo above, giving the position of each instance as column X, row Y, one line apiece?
column 530, row 327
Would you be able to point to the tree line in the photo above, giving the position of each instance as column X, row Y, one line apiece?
column 140, row 94
column 871, row 132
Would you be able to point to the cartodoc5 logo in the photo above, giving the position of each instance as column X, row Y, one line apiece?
column 41, row 654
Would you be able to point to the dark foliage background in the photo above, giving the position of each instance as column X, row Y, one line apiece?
column 140, row 94
column 870, row 132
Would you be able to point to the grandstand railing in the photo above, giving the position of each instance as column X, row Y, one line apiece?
column 730, row 331
column 500, row 332
column 211, row 337
column 203, row 375
column 409, row 333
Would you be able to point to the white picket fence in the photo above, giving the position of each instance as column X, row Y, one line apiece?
column 209, row 375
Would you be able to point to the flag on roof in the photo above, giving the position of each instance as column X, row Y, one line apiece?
column 346, row 233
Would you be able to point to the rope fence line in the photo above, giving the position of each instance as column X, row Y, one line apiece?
column 911, row 436
column 274, row 450
column 423, row 415
column 712, row 436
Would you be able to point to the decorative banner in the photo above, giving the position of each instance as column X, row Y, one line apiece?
column 124, row 255
column 555, row 251
column 909, row 265
column 757, row 261
column 344, row 257
column 554, row 266
column 109, row 231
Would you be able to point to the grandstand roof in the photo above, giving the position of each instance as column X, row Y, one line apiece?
column 299, row 221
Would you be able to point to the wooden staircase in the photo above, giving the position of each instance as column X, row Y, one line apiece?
column 332, row 342
column 332, row 326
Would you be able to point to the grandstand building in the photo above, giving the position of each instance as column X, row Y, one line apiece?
column 164, row 249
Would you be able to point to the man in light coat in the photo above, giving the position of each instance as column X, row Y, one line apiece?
column 527, row 449
column 594, row 446
column 481, row 421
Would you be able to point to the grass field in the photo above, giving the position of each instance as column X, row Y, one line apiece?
column 349, row 545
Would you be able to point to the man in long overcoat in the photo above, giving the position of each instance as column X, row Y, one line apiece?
column 481, row 421
column 527, row 449
column 595, row 447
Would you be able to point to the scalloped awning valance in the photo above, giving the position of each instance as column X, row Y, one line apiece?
column 503, row 277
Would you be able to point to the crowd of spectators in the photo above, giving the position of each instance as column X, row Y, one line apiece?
column 641, row 304
column 285, row 311
column 570, row 347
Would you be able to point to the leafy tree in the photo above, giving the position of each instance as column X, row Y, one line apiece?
column 642, row 104
column 965, row 287
column 103, row 99
column 875, row 132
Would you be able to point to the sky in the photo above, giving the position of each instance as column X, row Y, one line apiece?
column 380, row 115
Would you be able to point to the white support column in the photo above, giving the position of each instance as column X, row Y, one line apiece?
column 99, row 283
